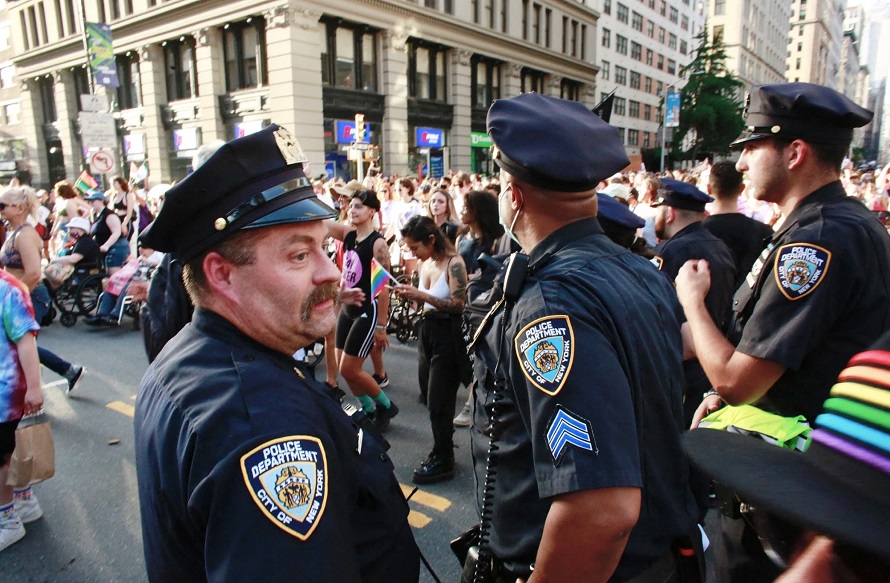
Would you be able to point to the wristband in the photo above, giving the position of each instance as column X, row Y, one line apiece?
column 709, row 393
column 381, row 326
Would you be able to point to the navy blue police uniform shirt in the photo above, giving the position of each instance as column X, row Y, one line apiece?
column 250, row 471
column 818, row 294
column 591, row 360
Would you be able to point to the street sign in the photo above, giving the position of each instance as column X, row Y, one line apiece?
column 360, row 146
column 97, row 130
column 93, row 103
column 101, row 162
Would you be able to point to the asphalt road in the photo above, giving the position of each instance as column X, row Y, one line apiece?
column 91, row 531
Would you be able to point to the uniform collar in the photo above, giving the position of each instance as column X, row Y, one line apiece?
column 561, row 237
column 688, row 229
column 832, row 190
column 218, row 327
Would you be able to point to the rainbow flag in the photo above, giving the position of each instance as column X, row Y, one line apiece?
column 378, row 278
column 85, row 182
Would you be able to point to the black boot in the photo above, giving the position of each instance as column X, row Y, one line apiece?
column 434, row 469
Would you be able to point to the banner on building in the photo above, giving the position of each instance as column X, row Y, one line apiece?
column 672, row 110
column 102, row 61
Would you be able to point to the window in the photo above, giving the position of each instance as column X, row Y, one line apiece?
column 637, row 21
column 649, row 54
column 524, row 19
column 583, row 41
column 548, row 19
column 622, row 13
column 574, row 38
column 636, row 51
column 672, row 67
column 674, row 17
column 620, row 133
column 620, row 106
column 5, row 35
column 531, row 80
column 620, row 75
column 604, row 71
column 633, row 137
column 684, row 22
column 486, row 81
column 684, row 48
column 662, row 8
column 717, row 33
column 129, row 94
column 570, row 90
column 47, row 89
column 661, row 62
column 633, row 109
column 350, row 58
column 650, row 29
column 607, row 6
column 504, row 16
column 719, row 7
column 672, row 41
column 661, row 35
column 100, row 5
column 607, row 37
column 621, row 44
column 179, row 64
column 659, row 87
column 12, row 112
column 648, row 85
column 7, row 77
column 426, row 71
column 565, row 34
column 634, row 80
column 646, row 140
column 647, row 112
column 536, row 24
column 81, row 83
column 245, row 53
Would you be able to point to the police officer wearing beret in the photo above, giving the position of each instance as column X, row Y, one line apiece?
column 588, row 479
column 680, row 211
column 249, row 469
column 820, row 291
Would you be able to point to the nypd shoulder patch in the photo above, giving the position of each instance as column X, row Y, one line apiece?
column 287, row 478
column 566, row 428
column 800, row 268
column 657, row 262
column 545, row 349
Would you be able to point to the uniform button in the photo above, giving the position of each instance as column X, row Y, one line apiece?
column 383, row 457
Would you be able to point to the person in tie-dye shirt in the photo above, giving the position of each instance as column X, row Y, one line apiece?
column 19, row 388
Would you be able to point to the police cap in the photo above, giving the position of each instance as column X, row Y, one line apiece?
column 252, row 182
column 681, row 195
column 618, row 213
column 805, row 111
column 554, row 144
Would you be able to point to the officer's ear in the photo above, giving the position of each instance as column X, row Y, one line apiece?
column 516, row 195
column 670, row 215
column 218, row 273
column 797, row 153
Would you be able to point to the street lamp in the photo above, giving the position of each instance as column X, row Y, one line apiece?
column 665, row 114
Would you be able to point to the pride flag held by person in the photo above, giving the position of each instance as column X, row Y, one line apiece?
column 379, row 275
column 85, row 182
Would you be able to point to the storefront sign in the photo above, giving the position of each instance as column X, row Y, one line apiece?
column 480, row 140
column 346, row 132
column 186, row 139
column 430, row 137
column 134, row 144
column 245, row 128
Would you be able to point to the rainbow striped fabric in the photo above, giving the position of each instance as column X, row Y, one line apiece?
column 85, row 182
column 856, row 418
column 378, row 278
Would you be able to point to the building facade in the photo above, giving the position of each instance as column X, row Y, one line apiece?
column 815, row 41
column 13, row 155
column 755, row 36
column 193, row 71
column 641, row 47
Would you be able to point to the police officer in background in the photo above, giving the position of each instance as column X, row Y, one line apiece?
column 589, row 480
column 248, row 469
column 679, row 212
column 819, row 292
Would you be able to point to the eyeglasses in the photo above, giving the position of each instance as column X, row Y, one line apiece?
column 3, row 205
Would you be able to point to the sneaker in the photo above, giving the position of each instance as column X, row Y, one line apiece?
column 465, row 417
column 383, row 415
column 28, row 510
column 93, row 320
column 434, row 469
column 11, row 531
column 382, row 382
column 79, row 373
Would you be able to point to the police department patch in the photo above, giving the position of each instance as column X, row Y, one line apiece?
column 545, row 349
column 800, row 268
column 287, row 478
column 566, row 428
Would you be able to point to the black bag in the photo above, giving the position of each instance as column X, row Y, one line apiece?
column 167, row 309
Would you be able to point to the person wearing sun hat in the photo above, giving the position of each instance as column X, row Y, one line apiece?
column 247, row 467
column 819, row 292
column 837, row 488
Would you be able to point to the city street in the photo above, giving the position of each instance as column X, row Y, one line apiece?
column 91, row 532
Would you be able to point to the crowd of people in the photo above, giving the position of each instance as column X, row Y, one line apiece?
column 610, row 312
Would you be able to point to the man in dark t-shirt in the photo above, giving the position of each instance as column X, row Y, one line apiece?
column 744, row 236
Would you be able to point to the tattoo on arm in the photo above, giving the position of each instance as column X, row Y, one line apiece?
column 458, row 282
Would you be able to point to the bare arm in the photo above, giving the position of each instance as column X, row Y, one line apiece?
column 73, row 258
column 338, row 230
column 29, row 245
column 585, row 535
column 27, row 349
column 457, row 283
column 114, row 224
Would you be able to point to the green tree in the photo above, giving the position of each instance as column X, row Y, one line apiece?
column 710, row 106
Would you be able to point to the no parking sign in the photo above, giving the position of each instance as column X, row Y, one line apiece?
column 101, row 162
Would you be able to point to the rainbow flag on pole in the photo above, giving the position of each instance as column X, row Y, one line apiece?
column 378, row 278
column 85, row 182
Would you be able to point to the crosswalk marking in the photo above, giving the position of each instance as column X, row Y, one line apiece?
column 57, row 383
column 427, row 499
column 121, row 407
column 418, row 519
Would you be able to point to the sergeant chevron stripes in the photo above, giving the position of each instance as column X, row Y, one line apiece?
column 566, row 428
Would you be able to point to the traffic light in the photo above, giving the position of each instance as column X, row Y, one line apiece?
column 360, row 129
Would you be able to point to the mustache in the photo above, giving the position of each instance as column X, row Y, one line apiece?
column 323, row 293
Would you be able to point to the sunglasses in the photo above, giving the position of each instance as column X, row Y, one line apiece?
column 3, row 205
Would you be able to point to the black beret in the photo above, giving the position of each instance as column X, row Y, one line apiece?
column 681, row 195
column 618, row 213
column 554, row 144
column 254, row 181
column 805, row 111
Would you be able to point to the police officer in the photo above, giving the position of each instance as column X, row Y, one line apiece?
column 249, row 469
column 588, row 480
column 680, row 210
column 819, row 292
